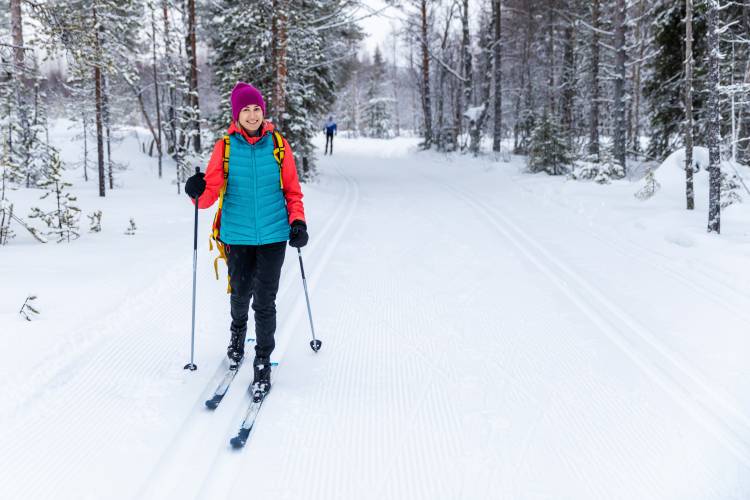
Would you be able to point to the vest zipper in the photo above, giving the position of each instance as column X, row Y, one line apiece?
column 255, row 194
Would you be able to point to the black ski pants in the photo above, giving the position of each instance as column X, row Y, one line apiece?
column 254, row 273
column 329, row 139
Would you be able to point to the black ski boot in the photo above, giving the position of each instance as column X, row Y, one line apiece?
column 236, row 349
column 262, row 377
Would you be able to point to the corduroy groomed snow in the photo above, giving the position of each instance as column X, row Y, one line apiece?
column 244, row 94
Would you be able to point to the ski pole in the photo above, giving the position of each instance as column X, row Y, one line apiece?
column 314, row 343
column 192, row 366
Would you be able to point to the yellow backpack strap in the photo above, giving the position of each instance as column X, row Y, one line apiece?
column 226, row 159
column 278, row 153
column 214, row 237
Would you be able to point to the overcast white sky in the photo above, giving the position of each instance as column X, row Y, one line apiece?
column 378, row 28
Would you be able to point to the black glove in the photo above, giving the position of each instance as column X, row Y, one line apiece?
column 195, row 185
column 298, row 234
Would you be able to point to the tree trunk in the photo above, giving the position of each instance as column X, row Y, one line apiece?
column 85, row 146
column 568, row 85
column 619, row 85
column 594, row 109
column 280, row 43
column 464, row 97
column 634, row 130
column 426, row 104
column 193, row 62
column 714, row 118
column 689, row 105
column 550, row 109
column 497, row 51
column 156, row 87
column 98, row 99
column 20, row 84
column 108, row 135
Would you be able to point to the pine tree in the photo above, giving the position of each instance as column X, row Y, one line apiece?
column 665, row 80
column 378, row 120
column 548, row 150
column 62, row 221
column 98, row 36
column 314, row 37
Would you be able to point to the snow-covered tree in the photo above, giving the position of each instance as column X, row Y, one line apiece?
column 377, row 102
column 62, row 220
column 290, row 55
column 548, row 150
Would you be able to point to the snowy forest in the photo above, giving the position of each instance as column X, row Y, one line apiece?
column 590, row 89
column 526, row 274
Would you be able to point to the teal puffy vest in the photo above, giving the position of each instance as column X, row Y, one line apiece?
column 254, row 210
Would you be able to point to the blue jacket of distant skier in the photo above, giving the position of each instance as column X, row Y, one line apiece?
column 330, row 127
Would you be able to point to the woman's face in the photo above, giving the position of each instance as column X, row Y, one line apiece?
column 251, row 117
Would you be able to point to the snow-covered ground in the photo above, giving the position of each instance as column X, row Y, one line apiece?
column 486, row 334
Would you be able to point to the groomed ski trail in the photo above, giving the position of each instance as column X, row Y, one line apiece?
column 203, row 438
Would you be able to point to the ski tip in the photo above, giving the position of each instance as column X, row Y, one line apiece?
column 240, row 439
column 212, row 403
column 237, row 443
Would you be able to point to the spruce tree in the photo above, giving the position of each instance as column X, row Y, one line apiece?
column 62, row 220
column 314, row 42
column 377, row 117
column 665, row 80
column 548, row 151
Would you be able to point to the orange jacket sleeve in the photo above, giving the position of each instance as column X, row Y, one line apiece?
column 214, row 176
column 292, row 189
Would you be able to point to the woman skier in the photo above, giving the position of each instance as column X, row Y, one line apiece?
column 253, row 174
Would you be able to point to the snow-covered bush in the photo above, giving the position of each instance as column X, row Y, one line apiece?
column 62, row 221
column 650, row 187
column 130, row 231
column 601, row 173
column 27, row 310
column 730, row 189
column 95, row 221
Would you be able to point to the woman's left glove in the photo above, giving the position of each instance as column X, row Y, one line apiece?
column 298, row 234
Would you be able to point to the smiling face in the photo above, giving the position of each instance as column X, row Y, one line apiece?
column 251, row 117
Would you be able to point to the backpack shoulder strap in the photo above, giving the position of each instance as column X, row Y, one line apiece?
column 214, row 237
column 278, row 153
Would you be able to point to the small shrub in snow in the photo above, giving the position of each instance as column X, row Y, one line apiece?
column 6, row 213
column 650, row 187
column 130, row 231
column 63, row 220
column 730, row 188
column 95, row 222
column 27, row 310
column 602, row 173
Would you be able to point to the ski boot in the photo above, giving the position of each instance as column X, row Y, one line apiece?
column 262, row 378
column 236, row 349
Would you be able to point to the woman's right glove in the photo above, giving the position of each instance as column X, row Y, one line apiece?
column 298, row 234
column 195, row 185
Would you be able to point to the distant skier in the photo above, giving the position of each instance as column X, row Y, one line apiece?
column 260, row 208
column 330, row 131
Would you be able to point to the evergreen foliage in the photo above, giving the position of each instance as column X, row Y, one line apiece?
column 316, row 43
column 61, row 221
column 548, row 149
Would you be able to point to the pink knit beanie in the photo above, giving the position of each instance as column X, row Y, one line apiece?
column 244, row 94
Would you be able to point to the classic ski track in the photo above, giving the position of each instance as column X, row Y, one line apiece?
column 660, row 262
column 225, row 465
column 108, row 358
column 40, row 379
column 197, row 425
column 640, row 345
